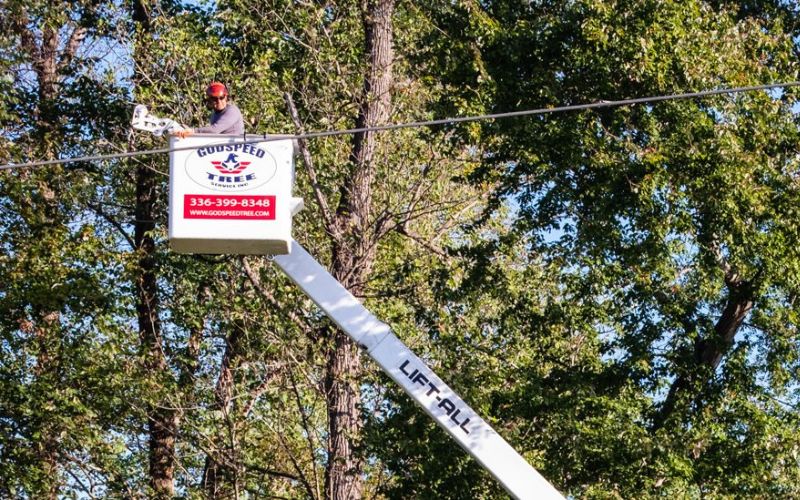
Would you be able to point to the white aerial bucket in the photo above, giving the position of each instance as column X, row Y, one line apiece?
column 229, row 197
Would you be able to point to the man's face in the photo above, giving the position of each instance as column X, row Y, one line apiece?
column 217, row 103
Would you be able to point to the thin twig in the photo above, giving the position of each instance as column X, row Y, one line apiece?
column 308, row 162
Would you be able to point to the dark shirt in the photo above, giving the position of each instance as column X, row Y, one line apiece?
column 227, row 121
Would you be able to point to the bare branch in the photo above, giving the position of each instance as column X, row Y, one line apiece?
column 27, row 39
column 300, row 476
column 402, row 229
column 309, row 166
column 273, row 472
column 309, row 431
column 75, row 39
column 261, row 388
column 270, row 297
column 98, row 209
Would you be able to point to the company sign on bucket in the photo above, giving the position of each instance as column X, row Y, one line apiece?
column 230, row 168
column 226, row 197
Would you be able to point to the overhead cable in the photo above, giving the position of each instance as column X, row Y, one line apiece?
column 444, row 121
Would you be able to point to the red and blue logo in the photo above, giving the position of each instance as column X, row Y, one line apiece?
column 231, row 167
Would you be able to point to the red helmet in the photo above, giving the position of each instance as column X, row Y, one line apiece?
column 216, row 89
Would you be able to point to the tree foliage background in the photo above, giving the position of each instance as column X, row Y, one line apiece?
column 614, row 290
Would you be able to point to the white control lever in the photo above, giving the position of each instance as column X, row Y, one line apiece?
column 143, row 120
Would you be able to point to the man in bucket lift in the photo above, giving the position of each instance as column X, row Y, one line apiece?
column 225, row 118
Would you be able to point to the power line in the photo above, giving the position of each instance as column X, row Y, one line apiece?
column 429, row 123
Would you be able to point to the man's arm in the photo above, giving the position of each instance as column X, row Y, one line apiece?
column 229, row 122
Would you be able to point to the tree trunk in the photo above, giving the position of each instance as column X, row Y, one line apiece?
column 220, row 471
column 353, row 257
column 163, row 420
column 41, row 45
column 708, row 352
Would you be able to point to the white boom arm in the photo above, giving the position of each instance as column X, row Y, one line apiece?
column 440, row 402
column 142, row 120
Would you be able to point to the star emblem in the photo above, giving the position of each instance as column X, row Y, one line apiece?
column 231, row 165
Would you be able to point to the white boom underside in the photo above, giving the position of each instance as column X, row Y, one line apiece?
column 440, row 402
